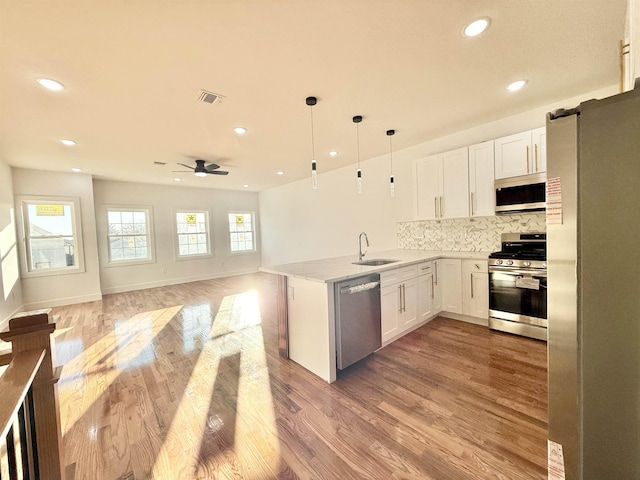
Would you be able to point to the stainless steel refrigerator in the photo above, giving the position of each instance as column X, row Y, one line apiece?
column 593, row 245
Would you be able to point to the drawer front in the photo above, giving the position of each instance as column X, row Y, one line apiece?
column 398, row 275
column 474, row 266
column 424, row 268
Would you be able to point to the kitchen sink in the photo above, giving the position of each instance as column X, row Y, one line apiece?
column 374, row 262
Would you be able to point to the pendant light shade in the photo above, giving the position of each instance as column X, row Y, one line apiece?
column 311, row 101
column 392, row 187
column 357, row 119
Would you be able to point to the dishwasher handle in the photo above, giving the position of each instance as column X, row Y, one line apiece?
column 363, row 287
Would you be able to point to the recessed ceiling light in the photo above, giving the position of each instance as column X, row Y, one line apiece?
column 476, row 27
column 177, row 179
column 515, row 86
column 76, row 170
column 280, row 172
column 50, row 84
column 333, row 153
column 245, row 186
column 240, row 130
column 68, row 143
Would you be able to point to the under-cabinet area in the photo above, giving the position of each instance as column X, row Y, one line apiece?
column 413, row 289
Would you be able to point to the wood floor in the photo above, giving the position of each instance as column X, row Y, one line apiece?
column 185, row 382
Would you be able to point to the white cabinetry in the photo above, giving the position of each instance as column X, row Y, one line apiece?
column 442, row 189
column 475, row 288
column 398, row 301
column 437, row 286
column 521, row 154
column 450, row 273
column 482, row 195
column 539, row 141
column 425, row 291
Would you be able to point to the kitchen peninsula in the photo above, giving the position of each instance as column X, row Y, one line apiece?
column 429, row 283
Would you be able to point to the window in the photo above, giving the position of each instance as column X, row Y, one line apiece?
column 241, row 232
column 52, row 244
column 129, row 235
column 193, row 233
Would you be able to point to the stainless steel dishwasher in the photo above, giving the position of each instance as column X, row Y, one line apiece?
column 358, row 329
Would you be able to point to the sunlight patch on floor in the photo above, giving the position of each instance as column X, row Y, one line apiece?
column 235, row 330
column 129, row 345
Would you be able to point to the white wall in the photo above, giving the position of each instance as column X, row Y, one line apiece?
column 164, row 200
column 50, row 291
column 10, row 285
column 299, row 223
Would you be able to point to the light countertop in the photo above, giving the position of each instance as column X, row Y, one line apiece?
column 328, row 270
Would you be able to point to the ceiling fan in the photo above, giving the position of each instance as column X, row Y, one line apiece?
column 200, row 170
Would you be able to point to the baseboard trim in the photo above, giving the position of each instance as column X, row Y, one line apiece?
column 466, row 318
column 61, row 302
column 175, row 281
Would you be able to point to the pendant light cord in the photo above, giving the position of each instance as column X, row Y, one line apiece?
column 313, row 148
column 391, row 154
column 358, row 141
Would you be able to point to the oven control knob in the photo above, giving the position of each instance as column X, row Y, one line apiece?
column 544, row 265
column 499, row 262
column 526, row 263
column 509, row 262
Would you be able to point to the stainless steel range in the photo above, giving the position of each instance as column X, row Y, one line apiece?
column 518, row 285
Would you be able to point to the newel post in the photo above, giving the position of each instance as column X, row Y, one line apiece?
column 34, row 330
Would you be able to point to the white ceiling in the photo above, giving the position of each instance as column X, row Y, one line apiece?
column 133, row 71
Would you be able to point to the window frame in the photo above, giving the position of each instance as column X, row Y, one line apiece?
column 176, row 236
column 151, row 255
column 254, row 231
column 76, row 226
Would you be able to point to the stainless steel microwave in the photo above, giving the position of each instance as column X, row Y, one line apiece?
column 526, row 193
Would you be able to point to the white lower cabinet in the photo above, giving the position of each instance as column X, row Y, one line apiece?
column 450, row 273
column 398, row 301
column 436, row 281
column 475, row 288
column 410, row 296
column 425, row 291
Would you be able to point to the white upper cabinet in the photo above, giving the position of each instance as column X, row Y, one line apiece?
column 539, row 141
column 427, row 187
column 521, row 154
column 482, row 195
column 442, row 185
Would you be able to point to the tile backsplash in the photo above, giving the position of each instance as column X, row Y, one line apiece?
column 480, row 234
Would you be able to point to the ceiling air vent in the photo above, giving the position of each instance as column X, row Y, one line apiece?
column 209, row 97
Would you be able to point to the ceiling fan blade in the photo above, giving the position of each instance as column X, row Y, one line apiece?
column 218, row 172
column 188, row 166
column 181, row 171
column 211, row 167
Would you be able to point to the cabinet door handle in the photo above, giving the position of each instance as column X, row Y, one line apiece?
column 441, row 207
column 404, row 298
column 471, row 285
column 432, row 287
column 436, row 264
column 435, row 206
column 528, row 159
column 400, row 298
column 536, row 155
column 472, row 199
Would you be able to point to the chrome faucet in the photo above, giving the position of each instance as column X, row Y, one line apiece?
column 360, row 252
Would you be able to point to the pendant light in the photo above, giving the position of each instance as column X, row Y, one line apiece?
column 311, row 101
column 357, row 119
column 392, row 187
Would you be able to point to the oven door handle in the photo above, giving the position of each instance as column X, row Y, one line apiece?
column 517, row 272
